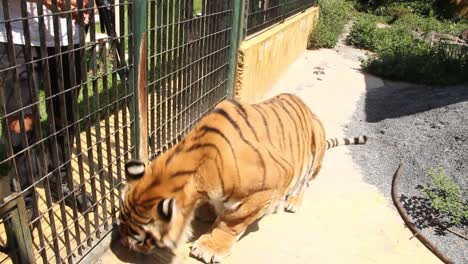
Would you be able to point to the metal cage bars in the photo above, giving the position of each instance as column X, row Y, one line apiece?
column 261, row 14
column 78, row 112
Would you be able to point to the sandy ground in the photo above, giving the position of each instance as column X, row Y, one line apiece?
column 343, row 219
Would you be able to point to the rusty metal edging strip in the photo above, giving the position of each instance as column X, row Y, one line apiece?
column 409, row 224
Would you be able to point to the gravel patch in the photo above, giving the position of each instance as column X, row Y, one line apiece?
column 425, row 127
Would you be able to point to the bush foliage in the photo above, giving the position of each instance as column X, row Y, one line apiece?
column 446, row 196
column 388, row 28
column 401, row 56
column 334, row 14
column 442, row 9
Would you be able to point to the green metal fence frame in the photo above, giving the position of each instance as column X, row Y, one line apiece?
column 237, row 35
column 140, row 22
column 19, row 238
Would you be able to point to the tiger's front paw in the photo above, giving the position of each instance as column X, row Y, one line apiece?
column 208, row 250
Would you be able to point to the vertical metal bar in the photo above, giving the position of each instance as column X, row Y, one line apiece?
column 143, row 99
column 201, row 45
column 208, row 59
column 152, row 76
column 213, row 56
column 112, row 105
column 164, row 68
column 193, row 35
column 116, row 86
column 186, row 59
column 159, row 75
column 238, row 8
column 128, row 84
column 170, row 67
column 177, row 76
column 17, row 97
column 57, row 163
column 79, row 151
column 99, row 138
column 140, row 23
column 47, row 88
column 89, row 89
column 284, row 5
column 244, row 27
column 70, row 89
column 19, row 234
column 34, row 90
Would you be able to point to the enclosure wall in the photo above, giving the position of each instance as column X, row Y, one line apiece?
column 264, row 57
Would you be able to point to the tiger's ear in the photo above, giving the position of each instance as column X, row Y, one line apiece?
column 134, row 170
column 166, row 209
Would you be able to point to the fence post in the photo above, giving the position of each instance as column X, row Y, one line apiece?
column 139, row 108
column 19, row 240
column 237, row 34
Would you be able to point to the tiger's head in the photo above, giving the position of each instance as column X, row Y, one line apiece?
column 151, row 215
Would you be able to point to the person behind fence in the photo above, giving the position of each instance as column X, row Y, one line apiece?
column 19, row 103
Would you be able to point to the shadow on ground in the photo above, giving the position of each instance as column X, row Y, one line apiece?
column 394, row 100
column 423, row 215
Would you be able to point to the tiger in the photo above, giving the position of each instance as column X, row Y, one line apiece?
column 244, row 160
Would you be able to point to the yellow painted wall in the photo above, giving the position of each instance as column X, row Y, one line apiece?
column 263, row 58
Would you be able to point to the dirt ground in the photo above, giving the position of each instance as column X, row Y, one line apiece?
column 343, row 219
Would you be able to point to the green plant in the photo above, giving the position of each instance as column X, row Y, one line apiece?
column 446, row 196
column 334, row 14
column 419, row 63
column 444, row 9
column 401, row 56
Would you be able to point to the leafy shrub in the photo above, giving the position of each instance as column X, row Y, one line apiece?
column 439, row 8
column 334, row 14
column 446, row 196
column 399, row 55
column 417, row 62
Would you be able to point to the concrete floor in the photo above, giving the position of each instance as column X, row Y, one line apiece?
column 343, row 219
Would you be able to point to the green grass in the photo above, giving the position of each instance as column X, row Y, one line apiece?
column 400, row 56
column 334, row 14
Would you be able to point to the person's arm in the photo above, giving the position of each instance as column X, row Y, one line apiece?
column 62, row 4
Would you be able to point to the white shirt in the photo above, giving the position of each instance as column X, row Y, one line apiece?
column 17, row 26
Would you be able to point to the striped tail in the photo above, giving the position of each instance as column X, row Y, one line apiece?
column 335, row 142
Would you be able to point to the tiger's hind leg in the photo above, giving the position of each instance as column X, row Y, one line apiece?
column 294, row 199
column 228, row 228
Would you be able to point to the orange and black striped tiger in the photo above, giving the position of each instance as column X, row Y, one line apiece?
column 244, row 160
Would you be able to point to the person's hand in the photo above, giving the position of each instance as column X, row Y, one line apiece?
column 62, row 7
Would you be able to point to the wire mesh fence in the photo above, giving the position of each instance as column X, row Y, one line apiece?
column 66, row 92
column 65, row 126
column 188, row 57
column 262, row 14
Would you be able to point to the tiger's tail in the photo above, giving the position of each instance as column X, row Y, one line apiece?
column 335, row 142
